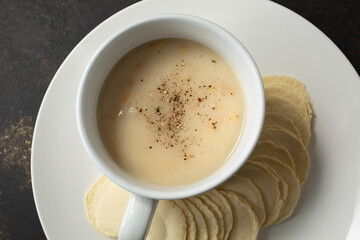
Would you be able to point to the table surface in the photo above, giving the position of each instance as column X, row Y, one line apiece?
column 35, row 38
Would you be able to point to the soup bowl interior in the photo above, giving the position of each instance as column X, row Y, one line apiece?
column 158, row 27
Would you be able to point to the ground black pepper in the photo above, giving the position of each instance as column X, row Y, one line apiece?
column 170, row 120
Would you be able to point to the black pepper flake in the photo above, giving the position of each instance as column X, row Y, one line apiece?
column 213, row 61
column 169, row 118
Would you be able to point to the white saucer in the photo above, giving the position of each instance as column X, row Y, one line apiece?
column 281, row 42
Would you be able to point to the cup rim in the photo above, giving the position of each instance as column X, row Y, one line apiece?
column 182, row 192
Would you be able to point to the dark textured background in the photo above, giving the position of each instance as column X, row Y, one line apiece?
column 35, row 38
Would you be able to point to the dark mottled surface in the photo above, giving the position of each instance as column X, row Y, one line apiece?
column 36, row 36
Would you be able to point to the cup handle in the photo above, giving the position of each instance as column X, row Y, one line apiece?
column 137, row 218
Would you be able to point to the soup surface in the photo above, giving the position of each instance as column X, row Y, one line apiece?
column 171, row 112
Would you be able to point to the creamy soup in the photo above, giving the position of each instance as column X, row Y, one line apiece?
column 171, row 112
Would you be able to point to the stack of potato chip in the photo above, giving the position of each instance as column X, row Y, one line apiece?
column 263, row 192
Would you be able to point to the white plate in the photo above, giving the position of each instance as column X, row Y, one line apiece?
column 281, row 42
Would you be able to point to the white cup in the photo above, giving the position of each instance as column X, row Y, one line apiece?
column 144, row 196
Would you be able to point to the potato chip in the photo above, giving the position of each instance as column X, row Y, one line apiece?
column 209, row 217
column 297, row 100
column 289, row 83
column 248, row 191
column 105, row 205
column 284, row 189
column 224, row 207
column 288, row 176
column 293, row 145
column 217, row 213
column 168, row 222
column 268, row 185
column 285, row 107
column 189, row 217
column 246, row 225
column 201, row 229
column 270, row 149
column 278, row 120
